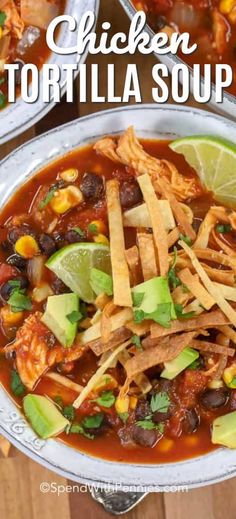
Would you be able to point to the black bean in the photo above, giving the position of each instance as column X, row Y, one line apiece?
column 214, row 398
column 191, row 421
column 92, row 186
column 130, row 194
column 156, row 22
column 47, row 244
column 6, row 246
column 142, row 410
column 159, row 416
column 74, row 237
column 17, row 261
column 18, row 72
column 145, row 437
column 59, row 287
column 7, row 288
column 16, row 232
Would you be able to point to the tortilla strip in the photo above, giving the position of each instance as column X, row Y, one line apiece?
column 223, row 246
column 147, row 255
column 228, row 292
column 163, row 352
column 139, row 329
column 177, row 209
column 98, row 374
column 94, row 332
column 132, row 258
column 195, row 307
column 212, row 289
column 139, row 216
column 101, row 301
column 222, row 276
column 210, row 347
column 228, row 332
column 64, row 381
column 140, row 380
column 159, row 232
column 196, row 288
column 205, row 320
column 4, row 446
column 205, row 230
column 216, row 257
column 118, row 336
column 120, row 271
column 108, row 310
column 173, row 237
column 181, row 296
column 221, row 365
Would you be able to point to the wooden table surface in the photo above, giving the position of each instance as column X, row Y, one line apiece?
column 20, row 478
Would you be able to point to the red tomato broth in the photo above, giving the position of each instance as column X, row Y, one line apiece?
column 108, row 445
column 199, row 23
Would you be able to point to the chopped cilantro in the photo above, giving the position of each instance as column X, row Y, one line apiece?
column 147, row 424
column 123, row 416
column 137, row 298
column 19, row 301
column 79, row 231
column 69, row 412
column 106, row 399
column 223, row 228
column 137, row 342
column 3, row 100
column 74, row 317
column 195, row 365
column 58, row 400
column 49, row 196
column 3, row 17
column 139, row 316
column 160, row 402
column 92, row 227
column 2, row 80
column 186, row 239
column 76, row 428
column 14, row 283
column 17, row 387
column 179, row 312
column 93, row 421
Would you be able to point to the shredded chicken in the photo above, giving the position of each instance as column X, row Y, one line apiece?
column 13, row 24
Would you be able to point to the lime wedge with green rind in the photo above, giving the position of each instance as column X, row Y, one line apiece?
column 214, row 160
column 73, row 263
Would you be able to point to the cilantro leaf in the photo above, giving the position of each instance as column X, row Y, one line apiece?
column 74, row 317
column 93, row 421
column 123, row 416
column 137, row 342
column 139, row 316
column 137, row 298
column 79, row 231
column 92, row 227
column 179, row 312
column 3, row 17
column 77, row 428
column 196, row 364
column 186, row 239
column 173, row 279
column 14, row 283
column 17, row 386
column 160, row 402
column 101, row 282
column 49, row 196
column 19, row 301
column 162, row 315
column 3, row 100
column 58, row 401
column 147, row 424
column 106, row 399
column 69, row 412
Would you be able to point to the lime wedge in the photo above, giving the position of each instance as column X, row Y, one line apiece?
column 214, row 160
column 72, row 265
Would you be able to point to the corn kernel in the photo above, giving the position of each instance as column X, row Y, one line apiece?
column 133, row 402
column 101, row 227
column 122, row 404
column 10, row 318
column 232, row 16
column 1, row 32
column 69, row 175
column 165, row 445
column 229, row 375
column 226, row 6
column 215, row 384
column 101, row 238
column 27, row 247
column 65, row 199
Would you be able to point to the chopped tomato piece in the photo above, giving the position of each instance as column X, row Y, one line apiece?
column 6, row 272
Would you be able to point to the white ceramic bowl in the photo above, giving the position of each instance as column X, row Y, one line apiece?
column 227, row 107
column 149, row 121
column 18, row 117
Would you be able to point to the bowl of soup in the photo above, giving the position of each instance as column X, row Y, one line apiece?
column 117, row 290
column 211, row 26
column 22, row 41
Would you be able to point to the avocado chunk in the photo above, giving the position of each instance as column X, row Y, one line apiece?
column 152, row 300
column 224, row 430
column 57, row 317
column 182, row 361
column 44, row 416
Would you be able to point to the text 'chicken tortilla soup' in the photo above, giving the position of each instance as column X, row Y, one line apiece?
column 117, row 287
column 23, row 25
column 211, row 25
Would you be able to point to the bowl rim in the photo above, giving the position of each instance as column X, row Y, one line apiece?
column 12, row 124
column 215, row 466
column 229, row 100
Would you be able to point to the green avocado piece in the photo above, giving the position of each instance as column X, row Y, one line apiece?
column 155, row 292
column 224, row 430
column 182, row 361
column 44, row 416
column 57, row 317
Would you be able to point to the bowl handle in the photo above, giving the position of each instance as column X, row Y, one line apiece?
column 117, row 502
